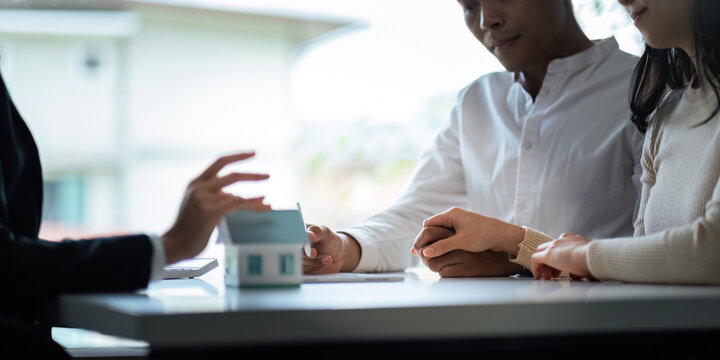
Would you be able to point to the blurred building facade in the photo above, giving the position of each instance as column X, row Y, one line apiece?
column 128, row 100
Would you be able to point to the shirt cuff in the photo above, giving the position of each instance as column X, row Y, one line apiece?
column 529, row 245
column 369, row 256
column 157, row 263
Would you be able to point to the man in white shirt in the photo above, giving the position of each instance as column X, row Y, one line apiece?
column 503, row 151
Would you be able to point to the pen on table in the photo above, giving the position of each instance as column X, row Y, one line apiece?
column 307, row 247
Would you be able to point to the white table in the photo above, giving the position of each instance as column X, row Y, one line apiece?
column 204, row 313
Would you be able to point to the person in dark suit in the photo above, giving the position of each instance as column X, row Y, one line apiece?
column 33, row 270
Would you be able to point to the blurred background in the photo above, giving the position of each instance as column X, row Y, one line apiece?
column 129, row 100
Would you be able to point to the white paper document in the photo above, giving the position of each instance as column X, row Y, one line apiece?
column 352, row 277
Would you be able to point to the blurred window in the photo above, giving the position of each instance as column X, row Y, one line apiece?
column 64, row 199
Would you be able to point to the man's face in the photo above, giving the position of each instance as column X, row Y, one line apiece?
column 520, row 33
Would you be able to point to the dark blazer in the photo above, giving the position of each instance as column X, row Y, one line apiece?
column 34, row 270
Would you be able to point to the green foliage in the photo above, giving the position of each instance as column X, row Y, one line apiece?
column 598, row 5
column 382, row 150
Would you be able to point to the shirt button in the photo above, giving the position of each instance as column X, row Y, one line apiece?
column 521, row 206
column 528, row 145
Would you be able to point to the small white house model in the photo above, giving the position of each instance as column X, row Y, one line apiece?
column 264, row 248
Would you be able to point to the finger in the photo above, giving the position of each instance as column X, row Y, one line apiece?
column 537, row 265
column 535, row 262
column 308, row 264
column 543, row 273
column 542, row 247
column 423, row 238
column 221, row 162
column 540, row 272
column 566, row 235
column 319, row 265
column 221, row 182
column 319, row 261
column 452, row 270
column 313, row 253
column 430, row 235
column 325, row 260
column 313, row 268
column 426, row 263
column 548, row 272
column 438, row 263
column 443, row 219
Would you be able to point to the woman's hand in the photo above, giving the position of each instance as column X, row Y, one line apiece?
column 567, row 254
column 472, row 232
column 204, row 205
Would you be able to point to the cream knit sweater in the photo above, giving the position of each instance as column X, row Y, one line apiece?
column 677, row 232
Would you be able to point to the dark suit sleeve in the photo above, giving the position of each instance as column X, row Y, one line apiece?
column 32, row 269
column 36, row 268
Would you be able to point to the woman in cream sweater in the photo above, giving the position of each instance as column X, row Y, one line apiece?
column 677, row 231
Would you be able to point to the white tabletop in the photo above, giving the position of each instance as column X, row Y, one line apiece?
column 204, row 312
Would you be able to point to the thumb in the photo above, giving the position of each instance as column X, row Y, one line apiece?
column 441, row 247
column 311, row 235
column 314, row 233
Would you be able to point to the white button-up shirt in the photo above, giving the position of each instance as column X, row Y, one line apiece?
column 567, row 162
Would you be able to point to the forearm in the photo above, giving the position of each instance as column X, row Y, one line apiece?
column 683, row 255
column 384, row 240
column 75, row 265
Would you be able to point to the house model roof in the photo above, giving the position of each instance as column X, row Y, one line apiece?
column 271, row 227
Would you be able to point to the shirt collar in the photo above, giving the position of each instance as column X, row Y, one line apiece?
column 602, row 49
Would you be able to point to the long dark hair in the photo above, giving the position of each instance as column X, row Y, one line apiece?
column 659, row 70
